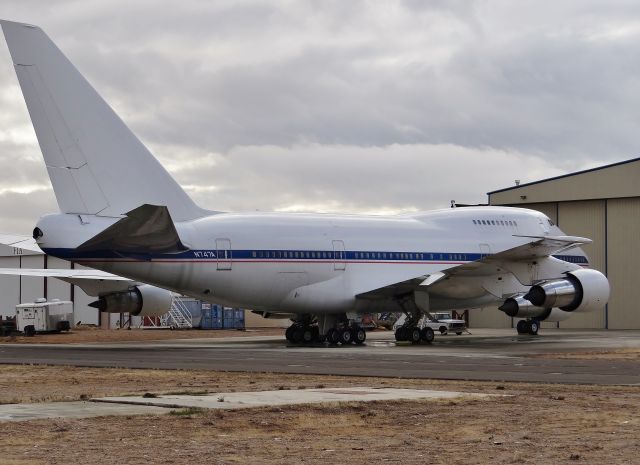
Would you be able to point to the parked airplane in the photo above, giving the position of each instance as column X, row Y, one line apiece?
column 122, row 213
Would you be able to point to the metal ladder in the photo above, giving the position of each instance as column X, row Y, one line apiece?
column 178, row 315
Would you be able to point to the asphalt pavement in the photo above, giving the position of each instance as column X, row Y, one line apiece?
column 487, row 355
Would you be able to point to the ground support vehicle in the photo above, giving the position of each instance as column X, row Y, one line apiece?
column 44, row 316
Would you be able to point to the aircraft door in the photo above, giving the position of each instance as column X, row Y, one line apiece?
column 223, row 254
column 485, row 250
column 339, row 256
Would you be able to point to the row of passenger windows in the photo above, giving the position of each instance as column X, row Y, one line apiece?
column 572, row 258
column 297, row 254
column 495, row 222
column 340, row 255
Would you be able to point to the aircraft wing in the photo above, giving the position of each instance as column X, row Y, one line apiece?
column 92, row 282
column 537, row 248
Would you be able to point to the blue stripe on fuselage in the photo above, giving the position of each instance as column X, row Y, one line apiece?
column 284, row 255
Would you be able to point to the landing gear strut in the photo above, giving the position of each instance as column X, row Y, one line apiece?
column 528, row 327
column 410, row 331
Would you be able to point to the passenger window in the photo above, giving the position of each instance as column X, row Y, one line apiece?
column 254, row 254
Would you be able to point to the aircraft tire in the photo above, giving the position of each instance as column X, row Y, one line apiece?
column 522, row 327
column 332, row 336
column 307, row 335
column 427, row 335
column 345, row 336
column 534, row 326
column 359, row 335
column 414, row 335
column 296, row 335
column 401, row 334
column 288, row 334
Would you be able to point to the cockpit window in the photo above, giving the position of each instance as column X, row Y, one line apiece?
column 550, row 222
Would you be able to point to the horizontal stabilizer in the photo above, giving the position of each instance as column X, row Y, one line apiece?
column 147, row 229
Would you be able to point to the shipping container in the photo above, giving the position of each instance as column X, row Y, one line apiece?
column 218, row 317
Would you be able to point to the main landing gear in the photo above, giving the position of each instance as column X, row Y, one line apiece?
column 414, row 334
column 308, row 332
column 410, row 331
column 528, row 327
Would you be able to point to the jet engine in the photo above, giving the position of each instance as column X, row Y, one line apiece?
column 519, row 307
column 581, row 290
column 144, row 300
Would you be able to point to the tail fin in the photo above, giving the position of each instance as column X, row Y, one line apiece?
column 96, row 164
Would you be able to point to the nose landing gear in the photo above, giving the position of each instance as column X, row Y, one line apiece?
column 530, row 326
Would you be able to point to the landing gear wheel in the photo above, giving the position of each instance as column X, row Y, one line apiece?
column 427, row 335
column 458, row 333
column 307, row 335
column 333, row 337
column 414, row 335
column 533, row 328
column 522, row 327
column 296, row 335
column 359, row 335
column 401, row 334
column 345, row 336
column 288, row 334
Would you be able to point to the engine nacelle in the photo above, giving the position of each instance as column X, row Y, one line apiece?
column 553, row 315
column 144, row 300
column 519, row 307
column 581, row 290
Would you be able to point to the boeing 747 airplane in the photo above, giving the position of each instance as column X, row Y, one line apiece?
column 121, row 213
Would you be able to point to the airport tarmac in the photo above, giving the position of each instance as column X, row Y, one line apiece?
column 486, row 355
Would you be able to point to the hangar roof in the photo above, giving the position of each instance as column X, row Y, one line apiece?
column 604, row 182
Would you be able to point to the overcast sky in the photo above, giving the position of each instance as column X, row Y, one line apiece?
column 342, row 106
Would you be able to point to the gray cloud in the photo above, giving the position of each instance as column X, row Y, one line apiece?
column 289, row 105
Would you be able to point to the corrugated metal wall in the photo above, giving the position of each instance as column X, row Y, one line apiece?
column 623, row 256
column 587, row 219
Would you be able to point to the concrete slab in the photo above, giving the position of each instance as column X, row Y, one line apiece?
column 50, row 410
column 237, row 400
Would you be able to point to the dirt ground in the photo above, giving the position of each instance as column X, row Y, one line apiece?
column 541, row 424
column 92, row 334
column 611, row 354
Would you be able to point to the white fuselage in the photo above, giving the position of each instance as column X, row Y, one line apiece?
column 300, row 263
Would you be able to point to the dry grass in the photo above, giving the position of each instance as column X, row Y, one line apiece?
column 500, row 431
column 541, row 424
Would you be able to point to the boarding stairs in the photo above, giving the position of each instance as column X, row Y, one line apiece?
column 178, row 315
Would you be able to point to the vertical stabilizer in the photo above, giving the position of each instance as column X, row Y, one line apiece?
column 96, row 164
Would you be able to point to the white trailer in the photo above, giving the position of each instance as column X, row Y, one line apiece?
column 44, row 316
